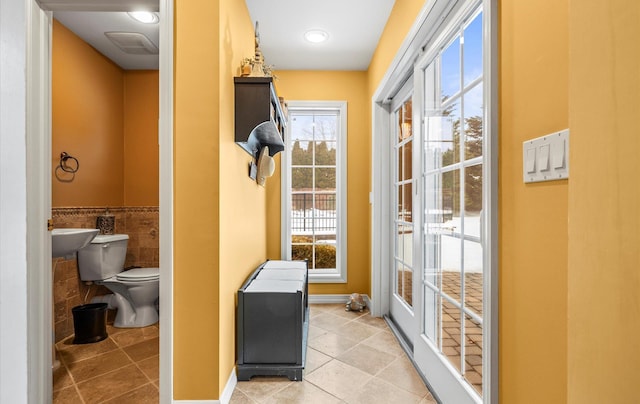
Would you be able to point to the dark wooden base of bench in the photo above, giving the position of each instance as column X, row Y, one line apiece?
column 246, row 371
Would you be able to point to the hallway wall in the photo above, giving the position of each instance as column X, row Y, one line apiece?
column 533, row 217
column 604, row 202
column 219, row 212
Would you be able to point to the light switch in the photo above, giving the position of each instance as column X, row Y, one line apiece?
column 543, row 160
column 546, row 158
column 557, row 154
column 530, row 161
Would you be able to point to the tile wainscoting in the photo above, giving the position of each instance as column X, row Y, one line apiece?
column 142, row 226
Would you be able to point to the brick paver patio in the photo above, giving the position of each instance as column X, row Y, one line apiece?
column 451, row 335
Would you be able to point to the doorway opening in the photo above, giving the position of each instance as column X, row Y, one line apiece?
column 39, row 157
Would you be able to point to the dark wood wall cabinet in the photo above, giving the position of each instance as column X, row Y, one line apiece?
column 259, row 119
column 272, row 321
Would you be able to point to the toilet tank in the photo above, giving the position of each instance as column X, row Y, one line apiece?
column 103, row 257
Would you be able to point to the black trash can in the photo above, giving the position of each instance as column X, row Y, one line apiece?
column 89, row 323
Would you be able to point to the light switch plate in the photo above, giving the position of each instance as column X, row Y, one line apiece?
column 546, row 158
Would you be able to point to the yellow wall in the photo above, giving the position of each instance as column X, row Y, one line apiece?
column 604, row 201
column 219, row 211
column 532, row 218
column 242, row 200
column 335, row 86
column 403, row 14
column 141, row 170
column 196, row 198
column 108, row 119
column 87, row 120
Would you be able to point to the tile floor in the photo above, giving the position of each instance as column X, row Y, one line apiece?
column 124, row 368
column 351, row 358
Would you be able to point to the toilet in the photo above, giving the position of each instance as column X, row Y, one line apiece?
column 135, row 291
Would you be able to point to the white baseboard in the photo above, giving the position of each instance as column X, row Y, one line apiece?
column 332, row 299
column 225, row 398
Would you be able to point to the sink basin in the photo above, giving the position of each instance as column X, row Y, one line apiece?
column 65, row 242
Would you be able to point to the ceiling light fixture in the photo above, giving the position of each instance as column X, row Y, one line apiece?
column 316, row 36
column 145, row 17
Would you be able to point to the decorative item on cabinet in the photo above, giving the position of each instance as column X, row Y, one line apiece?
column 255, row 66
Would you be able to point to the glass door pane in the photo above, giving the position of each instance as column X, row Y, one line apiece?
column 403, row 183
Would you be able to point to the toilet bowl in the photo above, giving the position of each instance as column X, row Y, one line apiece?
column 135, row 291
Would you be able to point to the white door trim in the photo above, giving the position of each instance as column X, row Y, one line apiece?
column 381, row 205
column 165, row 140
column 400, row 69
column 39, row 271
column 15, row 316
column 490, row 231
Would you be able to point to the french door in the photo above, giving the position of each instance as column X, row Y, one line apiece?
column 403, row 250
column 450, row 343
column 439, row 210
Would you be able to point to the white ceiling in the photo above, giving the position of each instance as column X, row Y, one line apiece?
column 92, row 25
column 354, row 28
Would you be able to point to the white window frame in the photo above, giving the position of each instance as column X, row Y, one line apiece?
column 339, row 274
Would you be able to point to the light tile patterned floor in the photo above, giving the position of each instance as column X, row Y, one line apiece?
column 351, row 358
column 124, row 368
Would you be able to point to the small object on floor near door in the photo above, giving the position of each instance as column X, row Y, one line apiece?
column 356, row 303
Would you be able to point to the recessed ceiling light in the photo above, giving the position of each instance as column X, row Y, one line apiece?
column 316, row 36
column 145, row 17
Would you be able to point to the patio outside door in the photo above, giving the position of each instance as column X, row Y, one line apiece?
column 434, row 240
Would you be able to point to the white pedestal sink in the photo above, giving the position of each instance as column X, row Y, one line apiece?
column 65, row 242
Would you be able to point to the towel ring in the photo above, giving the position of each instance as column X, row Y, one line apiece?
column 64, row 157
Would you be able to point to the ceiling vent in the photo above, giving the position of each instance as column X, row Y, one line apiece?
column 133, row 43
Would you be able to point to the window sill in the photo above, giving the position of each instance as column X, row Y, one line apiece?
column 326, row 277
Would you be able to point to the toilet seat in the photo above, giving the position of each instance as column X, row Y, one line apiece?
column 139, row 275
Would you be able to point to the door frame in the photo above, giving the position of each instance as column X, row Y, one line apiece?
column 419, row 37
column 39, row 288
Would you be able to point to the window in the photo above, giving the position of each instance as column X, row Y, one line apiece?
column 314, row 189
